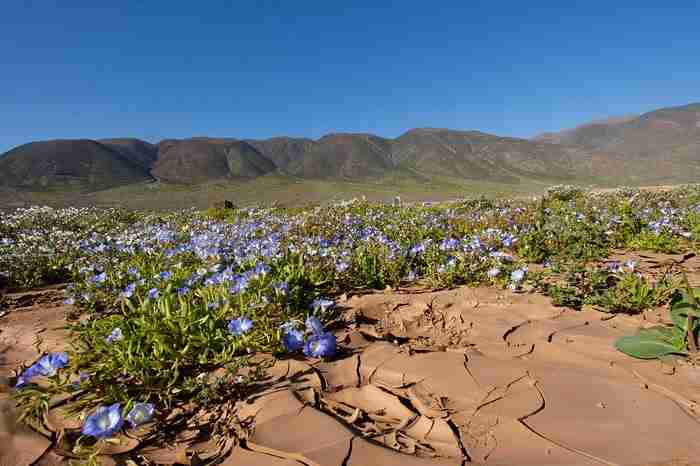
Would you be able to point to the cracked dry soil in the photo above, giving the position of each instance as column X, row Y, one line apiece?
column 469, row 375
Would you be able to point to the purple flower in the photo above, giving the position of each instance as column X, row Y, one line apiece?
column 164, row 275
column 213, row 305
column 518, row 275
column 292, row 339
column 615, row 266
column 116, row 335
column 321, row 346
column 239, row 285
column 240, row 326
column 140, row 413
column 313, row 324
column 129, row 290
column 417, row 249
column 104, row 422
column 153, row 293
column 341, row 266
column 322, row 304
column 47, row 366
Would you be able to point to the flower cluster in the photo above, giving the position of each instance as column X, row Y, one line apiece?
column 316, row 342
column 107, row 421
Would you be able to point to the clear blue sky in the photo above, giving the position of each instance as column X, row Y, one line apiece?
column 155, row 69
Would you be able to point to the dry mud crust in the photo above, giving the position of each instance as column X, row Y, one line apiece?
column 31, row 323
column 482, row 376
column 446, row 378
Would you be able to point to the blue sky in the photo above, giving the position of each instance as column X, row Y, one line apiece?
column 155, row 69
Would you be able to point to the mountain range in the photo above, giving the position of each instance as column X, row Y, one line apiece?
column 662, row 146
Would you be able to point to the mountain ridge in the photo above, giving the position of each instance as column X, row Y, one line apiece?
column 662, row 145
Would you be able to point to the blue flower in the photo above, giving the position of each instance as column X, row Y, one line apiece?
column 100, row 278
column 182, row 291
column 518, row 275
column 153, row 293
column 313, row 324
column 69, row 301
column 341, row 266
column 240, row 326
column 164, row 275
column 26, row 376
column 213, row 305
column 104, row 422
column 320, row 346
column 50, row 364
column 507, row 240
column 129, row 290
column 322, row 304
column 292, row 339
column 239, row 285
column 417, row 249
column 449, row 244
column 261, row 269
column 116, row 335
column 614, row 266
column 140, row 413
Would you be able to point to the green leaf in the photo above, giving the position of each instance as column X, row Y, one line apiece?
column 656, row 334
column 644, row 349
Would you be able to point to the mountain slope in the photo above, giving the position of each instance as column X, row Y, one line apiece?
column 81, row 163
column 140, row 152
column 662, row 145
column 282, row 150
column 199, row 160
column 345, row 156
column 476, row 155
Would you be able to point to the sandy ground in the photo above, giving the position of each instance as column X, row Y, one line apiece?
column 451, row 377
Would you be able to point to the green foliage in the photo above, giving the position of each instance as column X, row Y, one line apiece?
column 648, row 241
column 562, row 232
column 660, row 341
column 614, row 291
column 631, row 293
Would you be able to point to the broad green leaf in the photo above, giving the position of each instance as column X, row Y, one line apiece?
column 644, row 349
column 656, row 333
